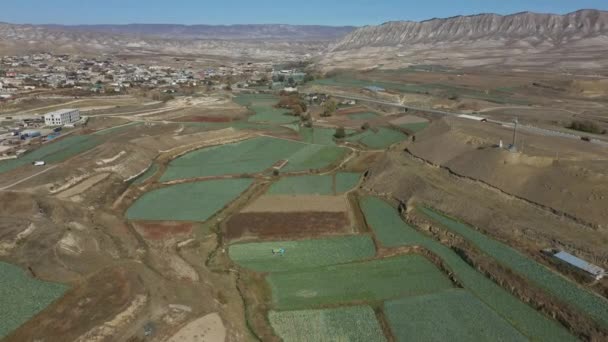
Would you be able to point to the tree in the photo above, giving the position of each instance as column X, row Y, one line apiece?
column 340, row 133
column 365, row 126
column 281, row 78
column 329, row 108
column 308, row 78
column 297, row 110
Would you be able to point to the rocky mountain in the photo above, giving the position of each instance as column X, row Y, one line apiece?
column 519, row 39
column 248, row 41
column 521, row 28
column 262, row 31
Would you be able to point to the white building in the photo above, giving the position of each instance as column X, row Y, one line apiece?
column 62, row 117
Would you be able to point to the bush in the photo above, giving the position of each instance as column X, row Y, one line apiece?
column 340, row 133
column 365, row 126
column 586, row 126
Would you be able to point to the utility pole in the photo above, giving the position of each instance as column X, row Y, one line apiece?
column 513, row 147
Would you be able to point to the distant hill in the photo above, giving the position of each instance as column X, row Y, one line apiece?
column 261, row 31
column 574, row 40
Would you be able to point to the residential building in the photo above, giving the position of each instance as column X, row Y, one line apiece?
column 62, row 117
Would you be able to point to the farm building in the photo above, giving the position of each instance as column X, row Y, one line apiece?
column 595, row 271
column 62, row 117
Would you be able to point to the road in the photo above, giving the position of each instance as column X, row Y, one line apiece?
column 27, row 178
column 526, row 128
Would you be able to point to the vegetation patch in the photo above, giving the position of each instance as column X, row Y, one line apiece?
column 22, row 297
column 187, row 202
column 301, row 254
column 356, row 323
column 391, row 231
column 251, row 156
column 378, row 138
column 363, row 116
column 315, row 185
column 54, row 152
column 572, row 294
column 376, row 280
column 453, row 315
column 586, row 126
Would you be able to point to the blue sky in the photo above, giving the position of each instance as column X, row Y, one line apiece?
column 323, row 12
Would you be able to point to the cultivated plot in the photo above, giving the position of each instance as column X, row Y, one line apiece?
column 263, row 107
column 378, row 138
column 22, row 297
column 335, row 184
column 187, row 202
column 251, row 156
column 391, row 231
column 567, row 291
column 453, row 315
column 376, row 280
column 354, row 324
column 301, row 254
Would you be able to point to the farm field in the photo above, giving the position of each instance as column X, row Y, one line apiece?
column 355, row 324
column 378, row 138
column 302, row 254
column 415, row 127
column 315, row 185
column 463, row 318
column 251, row 156
column 376, row 280
column 286, row 225
column 22, row 297
column 187, row 202
column 584, row 300
column 146, row 175
column 392, row 231
column 53, row 152
column 363, row 116
column 262, row 106
column 301, row 203
column 318, row 135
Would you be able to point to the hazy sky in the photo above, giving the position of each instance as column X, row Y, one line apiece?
column 324, row 12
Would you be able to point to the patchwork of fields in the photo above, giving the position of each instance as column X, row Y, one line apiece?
column 263, row 107
column 252, row 156
column 378, row 138
column 187, row 202
column 315, row 185
column 22, row 297
column 585, row 301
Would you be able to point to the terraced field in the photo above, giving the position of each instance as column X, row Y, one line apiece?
column 302, row 254
column 574, row 295
column 355, row 324
column 147, row 174
column 378, row 138
column 53, row 152
column 315, row 185
column 22, row 297
column 376, row 280
column 391, row 231
column 187, row 202
column 251, row 156
column 461, row 317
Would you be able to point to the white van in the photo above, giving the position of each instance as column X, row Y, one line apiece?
column 39, row 163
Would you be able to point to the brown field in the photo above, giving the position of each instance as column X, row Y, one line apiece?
column 163, row 230
column 276, row 225
column 351, row 110
column 408, row 119
column 300, row 203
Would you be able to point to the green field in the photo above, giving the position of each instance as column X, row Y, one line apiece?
column 263, row 107
column 318, row 135
column 391, row 231
column 53, row 152
column 415, row 127
column 349, row 324
column 453, row 315
column 376, row 280
column 378, row 138
column 315, row 185
column 251, row 156
column 22, row 297
column 572, row 294
column 187, row 202
column 363, row 116
column 302, row 254
column 147, row 174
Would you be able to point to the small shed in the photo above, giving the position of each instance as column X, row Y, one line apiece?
column 473, row 117
column 595, row 271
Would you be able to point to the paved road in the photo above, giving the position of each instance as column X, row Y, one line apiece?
column 527, row 128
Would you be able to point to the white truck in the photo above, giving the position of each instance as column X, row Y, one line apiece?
column 39, row 163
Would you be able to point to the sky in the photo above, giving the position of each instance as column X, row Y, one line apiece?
column 306, row 12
